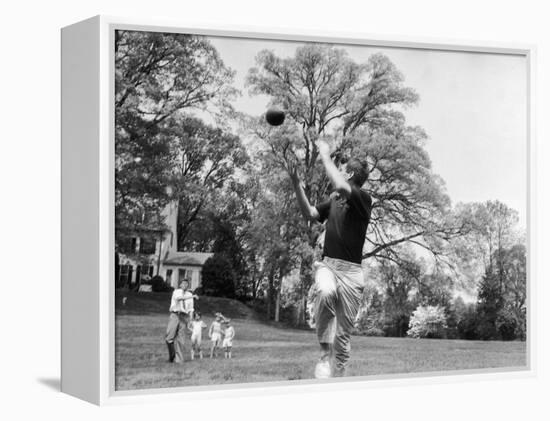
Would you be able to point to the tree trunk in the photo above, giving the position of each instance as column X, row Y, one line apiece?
column 299, row 314
column 277, row 305
column 306, row 278
column 304, row 310
column 278, row 295
column 254, row 288
column 270, row 292
column 160, row 254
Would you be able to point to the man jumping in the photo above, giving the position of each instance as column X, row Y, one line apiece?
column 338, row 287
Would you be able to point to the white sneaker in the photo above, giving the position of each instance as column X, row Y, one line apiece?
column 322, row 369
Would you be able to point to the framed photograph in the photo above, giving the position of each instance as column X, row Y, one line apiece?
column 248, row 209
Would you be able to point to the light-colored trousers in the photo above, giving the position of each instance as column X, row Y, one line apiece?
column 175, row 333
column 335, row 298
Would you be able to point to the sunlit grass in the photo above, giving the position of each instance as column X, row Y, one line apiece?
column 265, row 352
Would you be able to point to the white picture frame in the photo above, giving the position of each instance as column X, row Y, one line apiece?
column 88, row 211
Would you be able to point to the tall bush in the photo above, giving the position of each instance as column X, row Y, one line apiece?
column 218, row 278
column 428, row 322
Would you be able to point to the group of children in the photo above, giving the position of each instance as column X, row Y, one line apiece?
column 184, row 318
column 221, row 333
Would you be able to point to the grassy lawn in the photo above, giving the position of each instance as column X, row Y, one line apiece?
column 264, row 352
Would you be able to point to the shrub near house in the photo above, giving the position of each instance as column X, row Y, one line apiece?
column 159, row 285
column 218, row 278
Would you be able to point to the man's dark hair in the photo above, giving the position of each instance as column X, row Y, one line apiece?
column 360, row 169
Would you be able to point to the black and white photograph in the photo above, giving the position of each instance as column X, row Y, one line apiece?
column 288, row 210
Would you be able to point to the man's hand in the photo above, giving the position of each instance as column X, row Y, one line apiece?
column 324, row 148
column 292, row 169
column 336, row 178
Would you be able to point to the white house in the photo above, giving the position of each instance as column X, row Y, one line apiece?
column 147, row 257
column 183, row 265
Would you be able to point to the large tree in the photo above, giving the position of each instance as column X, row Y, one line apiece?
column 275, row 235
column 222, row 227
column 358, row 108
column 204, row 162
column 157, row 77
column 502, row 295
column 489, row 229
column 515, row 293
column 399, row 283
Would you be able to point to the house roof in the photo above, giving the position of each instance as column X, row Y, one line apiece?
column 191, row 258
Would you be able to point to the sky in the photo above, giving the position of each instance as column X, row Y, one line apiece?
column 473, row 107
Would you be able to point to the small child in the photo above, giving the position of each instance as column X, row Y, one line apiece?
column 215, row 334
column 196, row 326
column 229, row 334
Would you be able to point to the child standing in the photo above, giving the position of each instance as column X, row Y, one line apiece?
column 196, row 326
column 229, row 334
column 215, row 334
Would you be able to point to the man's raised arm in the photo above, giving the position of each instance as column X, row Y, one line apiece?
column 337, row 179
column 309, row 212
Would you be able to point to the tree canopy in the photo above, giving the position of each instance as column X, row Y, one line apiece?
column 178, row 139
column 157, row 78
column 358, row 108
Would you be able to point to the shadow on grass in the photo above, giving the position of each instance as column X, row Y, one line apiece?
column 53, row 383
column 153, row 303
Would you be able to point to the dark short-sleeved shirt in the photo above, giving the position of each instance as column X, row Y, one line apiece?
column 347, row 222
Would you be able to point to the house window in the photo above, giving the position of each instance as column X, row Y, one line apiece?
column 169, row 276
column 125, row 272
column 128, row 245
column 183, row 274
column 147, row 245
column 146, row 271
